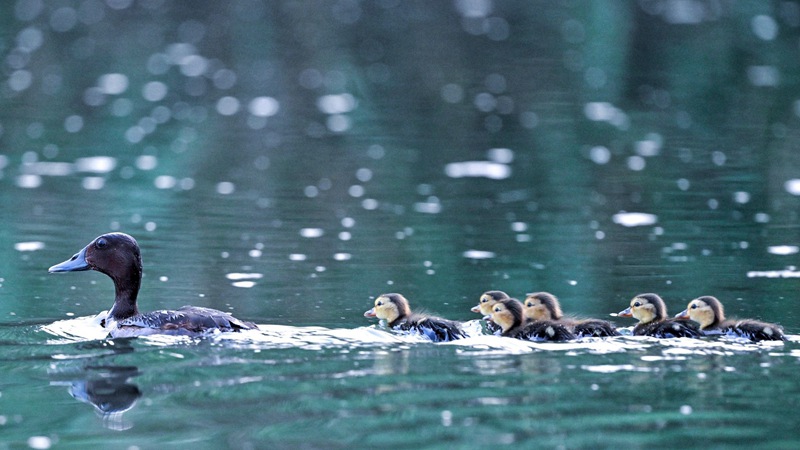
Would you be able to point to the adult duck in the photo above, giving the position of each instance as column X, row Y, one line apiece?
column 118, row 256
column 710, row 314
column 545, row 306
column 396, row 311
column 653, row 320
column 509, row 315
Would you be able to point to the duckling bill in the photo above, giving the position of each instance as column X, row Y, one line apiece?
column 710, row 314
column 118, row 256
column 395, row 310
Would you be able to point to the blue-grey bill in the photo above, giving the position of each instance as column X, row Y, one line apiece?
column 74, row 264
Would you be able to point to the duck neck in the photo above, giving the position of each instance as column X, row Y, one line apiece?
column 715, row 323
column 397, row 320
column 126, row 289
column 516, row 323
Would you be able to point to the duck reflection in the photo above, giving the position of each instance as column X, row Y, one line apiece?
column 104, row 385
column 109, row 390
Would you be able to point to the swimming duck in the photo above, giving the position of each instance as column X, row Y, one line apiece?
column 545, row 306
column 652, row 314
column 117, row 255
column 710, row 314
column 509, row 315
column 394, row 309
column 485, row 304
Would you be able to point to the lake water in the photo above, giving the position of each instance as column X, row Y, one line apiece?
column 289, row 161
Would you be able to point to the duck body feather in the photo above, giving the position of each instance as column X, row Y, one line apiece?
column 668, row 328
column 593, row 328
column 185, row 321
column 751, row 329
column 435, row 328
column 541, row 330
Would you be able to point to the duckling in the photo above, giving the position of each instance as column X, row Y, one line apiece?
column 394, row 309
column 484, row 307
column 545, row 306
column 487, row 300
column 508, row 313
column 652, row 314
column 710, row 314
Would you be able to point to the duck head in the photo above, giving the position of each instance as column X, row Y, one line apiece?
column 116, row 255
column 507, row 313
column 542, row 306
column 647, row 308
column 389, row 307
column 705, row 310
column 487, row 300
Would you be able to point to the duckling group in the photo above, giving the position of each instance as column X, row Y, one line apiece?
column 539, row 318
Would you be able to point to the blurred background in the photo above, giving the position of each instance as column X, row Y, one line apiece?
column 291, row 160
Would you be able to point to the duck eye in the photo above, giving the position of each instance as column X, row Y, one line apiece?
column 484, row 299
column 637, row 304
column 101, row 243
column 529, row 305
column 378, row 303
column 694, row 306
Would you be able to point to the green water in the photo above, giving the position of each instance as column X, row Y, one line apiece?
column 289, row 161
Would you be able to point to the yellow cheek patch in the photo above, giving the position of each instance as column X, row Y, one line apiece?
column 486, row 308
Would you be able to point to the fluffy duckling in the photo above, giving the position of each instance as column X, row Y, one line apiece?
column 487, row 300
column 394, row 309
column 545, row 306
column 509, row 315
column 484, row 307
column 652, row 314
column 710, row 314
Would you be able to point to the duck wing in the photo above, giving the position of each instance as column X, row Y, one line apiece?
column 188, row 320
column 436, row 329
column 224, row 321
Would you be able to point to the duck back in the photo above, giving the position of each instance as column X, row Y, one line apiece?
column 594, row 328
column 753, row 330
column 542, row 330
column 435, row 328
